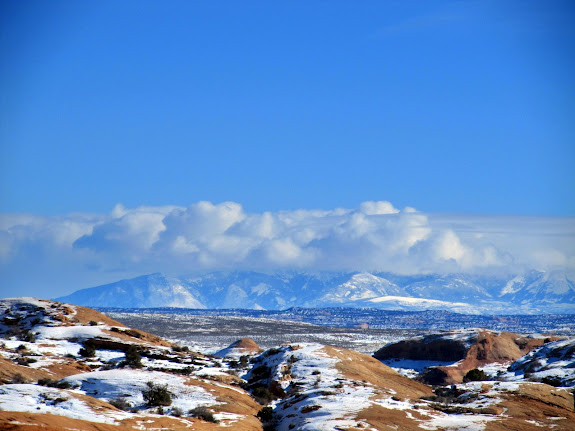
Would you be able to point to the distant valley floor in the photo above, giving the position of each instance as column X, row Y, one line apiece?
column 209, row 333
column 363, row 330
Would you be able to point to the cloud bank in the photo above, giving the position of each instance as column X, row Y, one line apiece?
column 66, row 253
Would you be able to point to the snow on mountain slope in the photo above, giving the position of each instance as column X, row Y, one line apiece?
column 553, row 363
column 532, row 292
column 360, row 287
column 406, row 303
column 68, row 367
column 155, row 290
column 452, row 288
column 552, row 287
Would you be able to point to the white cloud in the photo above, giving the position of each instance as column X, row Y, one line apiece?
column 93, row 248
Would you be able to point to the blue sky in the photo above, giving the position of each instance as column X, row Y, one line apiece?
column 451, row 107
column 191, row 136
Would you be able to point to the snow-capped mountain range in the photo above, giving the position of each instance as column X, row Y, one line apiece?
column 533, row 292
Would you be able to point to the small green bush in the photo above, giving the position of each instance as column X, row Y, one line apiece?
column 244, row 361
column 266, row 414
column 25, row 361
column 475, row 375
column 133, row 357
column 551, row 381
column 262, row 395
column 61, row 384
column 203, row 413
column 28, row 336
column 88, row 350
column 157, row 395
column 121, row 403
column 19, row 378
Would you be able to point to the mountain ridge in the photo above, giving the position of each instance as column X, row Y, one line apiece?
column 531, row 293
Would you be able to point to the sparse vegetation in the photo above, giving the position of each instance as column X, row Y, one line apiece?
column 262, row 395
column 28, row 336
column 133, row 357
column 19, row 378
column 203, row 413
column 272, row 352
column 25, row 361
column 308, row 409
column 475, row 375
column 244, row 361
column 61, row 384
column 88, row 350
column 266, row 414
column 551, row 381
column 177, row 412
column 121, row 403
column 157, row 395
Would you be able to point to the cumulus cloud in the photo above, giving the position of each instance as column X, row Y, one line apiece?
column 94, row 248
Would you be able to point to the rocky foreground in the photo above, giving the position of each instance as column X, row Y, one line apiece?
column 69, row 367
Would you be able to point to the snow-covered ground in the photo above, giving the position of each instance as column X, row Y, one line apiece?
column 316, row 393
column 553, row 362
column 39, row 399
column 130, row 384
column 332, row 400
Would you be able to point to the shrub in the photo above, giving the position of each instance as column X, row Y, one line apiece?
column 551, row 381
column 88, row 350
column 133, row 333
column 25, row 361
column 46, row 381
column 292, row 359
column 133, row 357
column 260, row 372
column 475, row 375
column 27, row 336
column 93, row 323
column 203, row 413
column 308, row 409
column 61, row 384
column 177, row 412
column 187, row 371
column 271, row 352
column 244, row 361
column 266, row 414
column 262, row 395
column 157, row 395
column 121, row 403
column 18, row 378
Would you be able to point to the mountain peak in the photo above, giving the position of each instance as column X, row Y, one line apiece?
column 531, row 292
